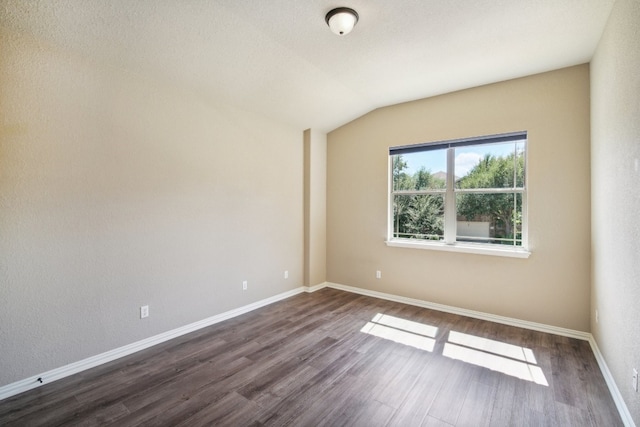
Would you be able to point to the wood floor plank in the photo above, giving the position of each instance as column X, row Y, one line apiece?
column 310, row 360
column 183, row 385
column 108, row 415
column 394, row 384
column 370, row 413
column 533, row 406
column 295, row 405
column 451, row 396
column 231, row 410
column 325, row 411
column 288, row 386
column 569, row 376
column 269, row 378
column 420, row 397
column 434, row 422
column 477, row 406
column 570, row 416
column 44, row 414
column 504, row 402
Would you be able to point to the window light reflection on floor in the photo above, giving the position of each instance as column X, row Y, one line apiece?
column 492, row 346
column 402, row 331
column 509, row 359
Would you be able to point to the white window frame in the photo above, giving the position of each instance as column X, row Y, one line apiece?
column 449, row 243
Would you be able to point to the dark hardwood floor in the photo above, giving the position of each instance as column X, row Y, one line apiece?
column 336, row 358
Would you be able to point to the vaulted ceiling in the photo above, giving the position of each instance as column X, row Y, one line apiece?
column 279, row 58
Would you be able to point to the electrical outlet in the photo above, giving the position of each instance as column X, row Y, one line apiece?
column 144, row 311
column 635, row 380
column 244, row 285
column 378, row 274
column 286, row 274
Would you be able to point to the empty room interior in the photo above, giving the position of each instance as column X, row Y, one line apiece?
column 288, row 213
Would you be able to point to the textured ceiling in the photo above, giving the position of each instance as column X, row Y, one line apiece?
column 278, row 57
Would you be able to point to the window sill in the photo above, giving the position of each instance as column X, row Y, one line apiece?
column 468, row 248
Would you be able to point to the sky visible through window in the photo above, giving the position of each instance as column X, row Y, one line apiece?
column 466, row 158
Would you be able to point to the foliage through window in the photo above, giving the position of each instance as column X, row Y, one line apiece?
column 470, row 190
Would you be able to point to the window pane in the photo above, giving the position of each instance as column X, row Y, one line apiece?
column 490, row 165
column 490, row 218
column 418, row 216
column 520, row 164
column 420, row 171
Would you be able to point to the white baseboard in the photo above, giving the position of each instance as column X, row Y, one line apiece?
column 93, row 361
column 613, row 387
column 82, row 365
column 314, row 288
column 469, row 313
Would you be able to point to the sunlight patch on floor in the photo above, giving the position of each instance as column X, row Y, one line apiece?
column 506, row 358
column 492, row 346
column 402, row 331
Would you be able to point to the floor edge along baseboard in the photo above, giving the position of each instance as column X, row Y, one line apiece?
column 38, row 380
column 540, row 327
column 55, row 374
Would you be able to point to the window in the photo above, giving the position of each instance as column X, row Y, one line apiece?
column 466, row 194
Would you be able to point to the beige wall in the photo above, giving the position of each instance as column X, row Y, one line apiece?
column 117, row 191
column 552, row 286
column 315, row 207
column 615, row 160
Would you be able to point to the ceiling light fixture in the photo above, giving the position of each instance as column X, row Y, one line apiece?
column 341, row 20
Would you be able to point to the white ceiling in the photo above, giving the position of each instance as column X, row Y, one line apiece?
column 278, row 57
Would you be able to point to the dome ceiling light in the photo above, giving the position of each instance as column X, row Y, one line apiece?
column 341, row 20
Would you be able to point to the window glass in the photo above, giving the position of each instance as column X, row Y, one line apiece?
column 420, row 171
column 489, row 218
column 490, row 166
column 485, row 202
column 418, row 216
